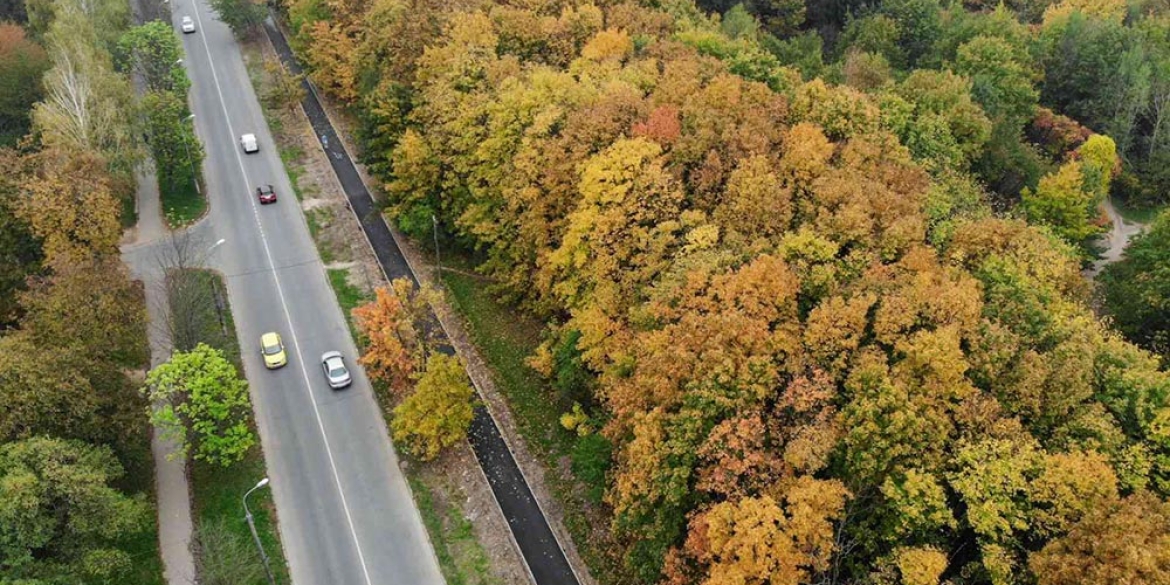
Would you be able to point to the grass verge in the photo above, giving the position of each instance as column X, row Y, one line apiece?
column 505, row 339
column 182, row 203
column 225, row 553
column 348, row 296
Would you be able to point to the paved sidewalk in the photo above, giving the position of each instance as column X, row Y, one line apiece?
column 174, row 496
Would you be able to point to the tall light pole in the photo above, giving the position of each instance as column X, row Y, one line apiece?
column 186, row 147
column 438, row 263
column 252, row 525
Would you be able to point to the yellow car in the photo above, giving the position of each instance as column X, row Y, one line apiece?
column 273, row 351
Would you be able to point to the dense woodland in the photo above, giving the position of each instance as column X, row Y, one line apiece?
column 74, row 446
column 812, row 269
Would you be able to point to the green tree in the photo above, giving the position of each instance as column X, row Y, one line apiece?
column 61, row 517
column 1137, row 289
column 1096, row 72
column 22, row 64
column 1001, row 79
column 93, row 308
column 242, row 16
column 439, row 411
column 20, row 251
column 919, row 26
column 153, row 51
column 1061, row 201
column 26, row 370
column 176, row 150
column 199, row 400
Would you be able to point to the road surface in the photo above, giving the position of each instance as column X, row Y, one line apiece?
column 345, row 510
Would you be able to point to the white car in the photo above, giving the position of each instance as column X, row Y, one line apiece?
column 248, row 141
column 335, row 371
column 187, row 24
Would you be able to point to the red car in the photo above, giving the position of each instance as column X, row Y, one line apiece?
column 266, row 194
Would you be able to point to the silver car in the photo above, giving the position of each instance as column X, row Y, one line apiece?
column 335, row 371
column 188, row 24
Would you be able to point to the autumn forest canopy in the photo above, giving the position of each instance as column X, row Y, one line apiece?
column 811, row 270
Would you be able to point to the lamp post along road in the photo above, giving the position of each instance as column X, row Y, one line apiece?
column 252, row 527
column 186, row 147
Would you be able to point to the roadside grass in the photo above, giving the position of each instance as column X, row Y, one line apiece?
column 348, row 296
column 505, row 338
column 216, row 491
column 461, row 559
column 289, row 155
column 317, row 218
column 181, row 203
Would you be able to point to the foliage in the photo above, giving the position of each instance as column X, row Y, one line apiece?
column 242, row 16
column 200, row 401
column 285, row 90
column 91, row 308
column 153, row 50
column 1123, row 541
column 22, row 64
column 85, row 105
column 1137, row 289
column 61, row 516
column 69, row 203
column 439, row 411
column 394, row 348
column 817, row 345
column 20, row 251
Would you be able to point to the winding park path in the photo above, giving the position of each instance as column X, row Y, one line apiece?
column 1121, row 232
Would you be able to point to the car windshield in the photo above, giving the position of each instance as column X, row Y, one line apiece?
column 271, row 349
column 336, row 369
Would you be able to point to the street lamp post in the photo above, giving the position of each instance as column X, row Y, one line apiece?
column 190, row 161
column 252, row 527
column 438, row 262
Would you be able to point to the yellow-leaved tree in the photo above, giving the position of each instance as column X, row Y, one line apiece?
column 439, row 412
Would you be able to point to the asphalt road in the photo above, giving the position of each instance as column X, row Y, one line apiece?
column 345, row 510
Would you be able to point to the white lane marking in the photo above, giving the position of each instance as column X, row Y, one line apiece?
column 284, row 305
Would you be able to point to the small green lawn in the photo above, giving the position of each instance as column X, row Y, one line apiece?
column 181, row 202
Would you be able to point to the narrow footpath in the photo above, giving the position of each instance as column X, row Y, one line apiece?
column 538, row 544
column 1121, row 231
column 170, row 475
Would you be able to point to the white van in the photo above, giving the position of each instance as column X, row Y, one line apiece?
column 248, row 141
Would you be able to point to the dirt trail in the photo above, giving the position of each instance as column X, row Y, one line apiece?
column 1120, row 233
